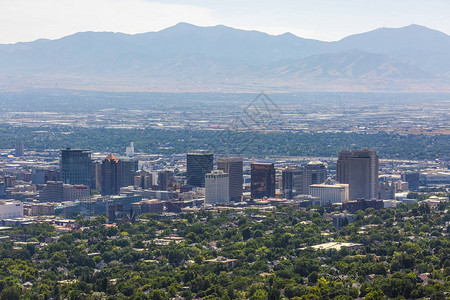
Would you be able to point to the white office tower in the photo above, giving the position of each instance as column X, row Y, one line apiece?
column 10, row 209
column 129, row 150
column 330, row 192
column 217, row 187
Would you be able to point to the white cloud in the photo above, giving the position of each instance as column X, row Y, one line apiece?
column 26, row 20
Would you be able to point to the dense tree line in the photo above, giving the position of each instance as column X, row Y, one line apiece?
column 226, row 142
column 271, row 250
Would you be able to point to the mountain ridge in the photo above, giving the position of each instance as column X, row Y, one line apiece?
column 220, row 53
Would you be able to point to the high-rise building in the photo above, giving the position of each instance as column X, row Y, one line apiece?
column 116, row 173
column 129, row 150
column 19, row 149
column 198, row 163
column 413, row 180
column 262, row 180
column 217, row 187
column 234, row 167
column 292, row 182
column 386, row 190
column 111, row 176
column 143, row 179
column 76, row 166
column 95, row 174
column 165, row 179
column 2, row 188
column 128, row 168
column 359, row 168
column 315, row 172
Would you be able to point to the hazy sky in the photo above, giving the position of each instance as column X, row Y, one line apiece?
column 26, row 20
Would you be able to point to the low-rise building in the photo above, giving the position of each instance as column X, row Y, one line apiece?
column 330, row 192
column 10, row 209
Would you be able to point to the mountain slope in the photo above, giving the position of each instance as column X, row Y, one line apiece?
column 213, row 56
column 416, row 45
column 349, row 65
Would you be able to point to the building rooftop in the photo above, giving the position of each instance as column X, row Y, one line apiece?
column 199, row 152
column 112, row 157
column 334, row 245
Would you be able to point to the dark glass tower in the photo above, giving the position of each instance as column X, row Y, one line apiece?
column 128, row 168
column 198, row 163
column 165, row 179
column 76, row 166
column 263, row 180
column 292, row 182
column 111, row 175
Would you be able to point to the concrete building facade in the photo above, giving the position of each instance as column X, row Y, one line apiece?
column 217, row 187
column 359, row 169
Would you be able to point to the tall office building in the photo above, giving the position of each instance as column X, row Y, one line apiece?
column 111, row 176
column 315, row 172
column 143, row 179
column 76, row 166
column 263, row 180
column 129, row 150
column 96, row 174
column 413, row 180
column 234, row 167
column 165, row 179
column 217, row 186
column 359, row 168
column 19, row 149
column 128, row 168
column 292, row 182
column 198, row 163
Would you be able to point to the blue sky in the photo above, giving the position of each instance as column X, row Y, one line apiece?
column 26, row 20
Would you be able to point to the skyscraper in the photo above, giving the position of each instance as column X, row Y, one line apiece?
column 116, row 173
column 198, row 163
column 165, row 179
column 129, row 150
column 19, row 149
column 292, row 182
column 314, row 172
column 217, row 187
column 128, row 168
column 111, row 176
column 263, row 180
column 143, row 179
column 76, row 166
column 234, row 167
column 359, row 168
column 413, row 180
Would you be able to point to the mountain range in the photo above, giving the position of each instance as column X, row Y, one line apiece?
column 186, row 57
